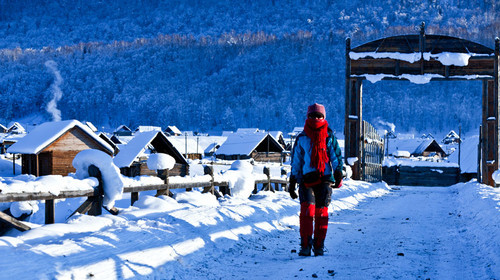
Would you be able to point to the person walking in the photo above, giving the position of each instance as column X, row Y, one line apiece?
column 317, row 168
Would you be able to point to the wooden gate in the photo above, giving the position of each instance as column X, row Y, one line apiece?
column 372, row 154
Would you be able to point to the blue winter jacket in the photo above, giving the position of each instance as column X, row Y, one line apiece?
column 301, row 156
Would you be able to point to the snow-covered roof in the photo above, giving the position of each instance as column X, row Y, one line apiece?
column 276, row 134
column 243, row 143
column 119, row 139
column 173, row 129
column 179, row 142
column 91, row 126
column 144, row 128
column 16, row 128
column 468, row 155
column 137, row 145
column 209, row 143
column 123, row 128
column 46, row 133
column 296, row 131
column 247, row 130
column 227, row 133
column 3, row 128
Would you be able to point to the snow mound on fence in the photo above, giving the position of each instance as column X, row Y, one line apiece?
column 240, row 179
column 112, row 179
column 160, row 161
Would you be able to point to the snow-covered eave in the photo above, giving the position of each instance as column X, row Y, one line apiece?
column 419, row 79
column 446, row 58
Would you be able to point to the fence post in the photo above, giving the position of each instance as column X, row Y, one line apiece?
column 134, row 196
column 49, row 211
column 208, row 170
column 165, row 181
column 96, row 208
column 267, row 186
column 284, row 186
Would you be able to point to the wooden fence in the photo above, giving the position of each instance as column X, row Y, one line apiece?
column 93, row 204
column 421, row 175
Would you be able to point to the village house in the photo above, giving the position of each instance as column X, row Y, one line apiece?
column 172, row 130
column 250, row 143
column 50, row 148
column 414, row 147
column 123, row 130
column 16, row 128
column 132, row 158
column 451, row 137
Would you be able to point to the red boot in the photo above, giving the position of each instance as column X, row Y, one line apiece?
column 307, row 211
column 321, row 226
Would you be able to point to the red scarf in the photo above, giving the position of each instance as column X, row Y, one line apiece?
column 317, row 130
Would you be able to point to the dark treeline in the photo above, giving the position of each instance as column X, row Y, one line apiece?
column 222, row 65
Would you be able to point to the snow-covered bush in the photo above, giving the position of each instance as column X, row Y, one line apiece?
column 240, row 178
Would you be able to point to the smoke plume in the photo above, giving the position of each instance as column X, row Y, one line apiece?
column 55, row 89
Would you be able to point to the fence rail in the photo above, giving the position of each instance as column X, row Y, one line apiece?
column 93, row 204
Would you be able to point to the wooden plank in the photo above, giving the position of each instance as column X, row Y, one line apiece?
column 84, row 208
column 13, row 222
column 11, row 197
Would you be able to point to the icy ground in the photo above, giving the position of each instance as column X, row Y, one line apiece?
column 375, row 232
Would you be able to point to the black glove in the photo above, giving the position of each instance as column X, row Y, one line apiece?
column 291, row 187
column 337, row 175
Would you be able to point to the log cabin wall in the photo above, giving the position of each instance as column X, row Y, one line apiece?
column 65, row 148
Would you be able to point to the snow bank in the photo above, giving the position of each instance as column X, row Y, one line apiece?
column 481, row 204
column 197, row 199
column 112, row 179
column 353, row 192
column 160, row 161
column 241, row 179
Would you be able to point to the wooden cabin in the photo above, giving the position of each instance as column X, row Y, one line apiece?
column 132, row 158
column 50, row 148
column 450, row 138
column 260, row 146
column 122, row 130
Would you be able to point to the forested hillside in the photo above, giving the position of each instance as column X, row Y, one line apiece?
column 205, row 65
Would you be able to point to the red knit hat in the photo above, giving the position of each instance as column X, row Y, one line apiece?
column 316, row 108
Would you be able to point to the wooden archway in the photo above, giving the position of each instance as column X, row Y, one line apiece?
column 423, row 56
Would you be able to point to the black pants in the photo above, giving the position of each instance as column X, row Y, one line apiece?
column 319, row 195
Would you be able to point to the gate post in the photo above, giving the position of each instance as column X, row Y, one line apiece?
column 353, row 116
column 489, row 138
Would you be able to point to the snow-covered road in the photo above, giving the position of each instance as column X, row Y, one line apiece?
column 411, row 233
column 375, row 232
